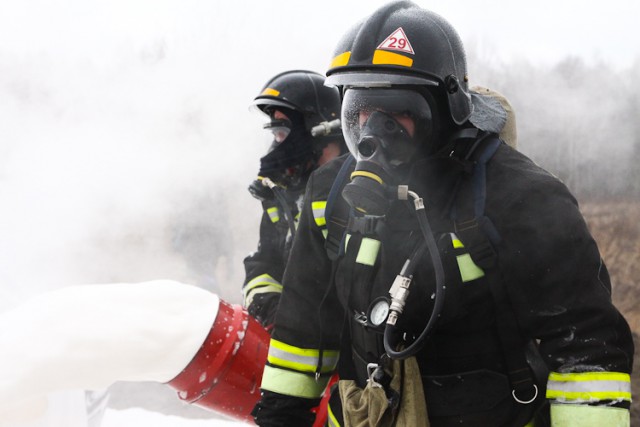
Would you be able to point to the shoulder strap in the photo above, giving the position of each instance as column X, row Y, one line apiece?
column 337, row 212
column 477, row 232
column 479, row 236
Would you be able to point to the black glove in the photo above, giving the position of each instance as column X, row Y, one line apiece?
column 263, row 308
column 278, row 410
column 260, row 191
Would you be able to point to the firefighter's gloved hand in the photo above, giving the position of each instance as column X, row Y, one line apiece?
column 263, row 308
column 278, row 410
column 260, row 191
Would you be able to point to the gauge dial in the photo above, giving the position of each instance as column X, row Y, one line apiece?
column 379, row 312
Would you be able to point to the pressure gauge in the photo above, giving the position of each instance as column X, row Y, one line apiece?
column 378, row 311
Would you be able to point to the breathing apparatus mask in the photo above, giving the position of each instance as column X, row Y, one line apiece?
column 288, row 159
column 386, row 130
column 389, row 131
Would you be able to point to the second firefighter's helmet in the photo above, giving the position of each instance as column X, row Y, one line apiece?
column 303, row 92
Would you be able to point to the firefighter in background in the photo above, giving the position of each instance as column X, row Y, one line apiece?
column 304, row 120
column 486, row 303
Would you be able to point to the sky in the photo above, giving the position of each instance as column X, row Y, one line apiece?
column 124, row 124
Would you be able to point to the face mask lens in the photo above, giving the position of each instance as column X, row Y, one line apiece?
column 407, row 110
column 280, row 129
column 280, row 134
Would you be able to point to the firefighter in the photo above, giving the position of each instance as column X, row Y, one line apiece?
column 304, row 120
column 445, row 276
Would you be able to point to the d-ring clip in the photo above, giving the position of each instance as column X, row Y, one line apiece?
column 525, row 402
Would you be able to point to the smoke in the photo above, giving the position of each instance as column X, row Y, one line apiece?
column 118, row 170
column 576, row 118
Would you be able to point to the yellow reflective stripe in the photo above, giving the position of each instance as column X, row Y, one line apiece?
column 568, row 415
column 309, row 368
column 273, row 214
column 468, row 269
column 318, row 208
column 332, row 420
column 589, row 386
column 340, row 60
column 301, row 359
column 391, row 58
column 590, row 376
column 366, row 174
column 258, row 285
column 292, row 383
column 457, row 244
column 368, row 251
column 262, row 280
column 588, row 395
column 530, row 423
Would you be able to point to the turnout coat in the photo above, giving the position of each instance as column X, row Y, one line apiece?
column 554, row 278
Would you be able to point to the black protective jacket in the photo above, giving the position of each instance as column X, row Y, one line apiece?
column 557, row 286
column 265, row 267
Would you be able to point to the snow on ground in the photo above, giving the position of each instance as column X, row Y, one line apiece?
column 136, row 417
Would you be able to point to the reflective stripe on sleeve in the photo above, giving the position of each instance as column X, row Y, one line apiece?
column 292, row 383
column 274, row 214
column 301, row 359
column 318, row 208
column 258, row 285
column 568, row 415
column 589, row 386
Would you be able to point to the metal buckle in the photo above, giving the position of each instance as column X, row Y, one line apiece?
column 513, row 393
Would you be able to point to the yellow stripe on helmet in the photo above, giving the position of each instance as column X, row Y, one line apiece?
column 341, row 60
column 271, row 92
column 383, row 57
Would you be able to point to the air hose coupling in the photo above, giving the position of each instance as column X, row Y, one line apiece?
column 399, row 293
column 268, row 183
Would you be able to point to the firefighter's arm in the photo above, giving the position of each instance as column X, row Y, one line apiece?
column 562, row 296
column 264, row 268
column 303, row 349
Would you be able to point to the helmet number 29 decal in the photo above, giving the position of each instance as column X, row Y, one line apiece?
column 397, row 41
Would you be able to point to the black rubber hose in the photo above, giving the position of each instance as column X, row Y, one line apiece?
column 409, row 267
column 279, row 193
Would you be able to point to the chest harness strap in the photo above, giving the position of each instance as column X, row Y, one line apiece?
column 479, row 236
